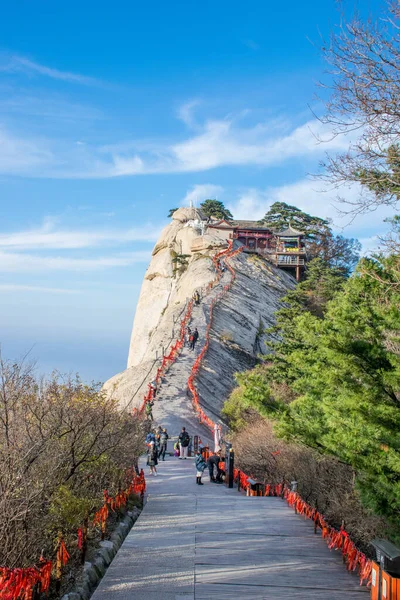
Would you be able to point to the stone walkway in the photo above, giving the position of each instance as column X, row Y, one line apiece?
column 203, row 542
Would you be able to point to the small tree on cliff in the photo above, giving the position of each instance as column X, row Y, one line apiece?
column 171, row 212
column 215, row 208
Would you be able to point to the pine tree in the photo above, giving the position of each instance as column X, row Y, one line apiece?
column 215, row 208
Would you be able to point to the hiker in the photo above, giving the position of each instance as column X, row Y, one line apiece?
column 213, row 463
column 184, row 440
column 196, row 297
column 200, row 465
column 149, row 410
column 194, row 338
column 153, row 387
column 163, row 443
column 176, row 449
column 152, row 461
column 188, row 336
column 158, row 443
column 150, row 437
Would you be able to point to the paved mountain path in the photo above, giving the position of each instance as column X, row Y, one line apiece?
column 203, row 542
column 208, row 542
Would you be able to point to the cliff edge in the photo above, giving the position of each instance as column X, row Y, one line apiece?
column 181, row 264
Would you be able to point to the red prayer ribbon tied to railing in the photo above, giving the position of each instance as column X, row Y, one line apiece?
column 228, row 253
column 168, row 359
column 136, row 486
column 336, row 539
column 18, row 584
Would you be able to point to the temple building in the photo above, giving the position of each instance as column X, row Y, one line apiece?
column 285, row 249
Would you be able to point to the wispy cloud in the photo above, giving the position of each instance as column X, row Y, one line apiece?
column 186, row 112
column 217, row 143
column 199, row 193
column 13, row 63
column 49, row 237
column 251, row 44
column 15, row 287
column 27, row 263
column 24, row 156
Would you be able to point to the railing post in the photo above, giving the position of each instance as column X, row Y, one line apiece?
column 229, row 464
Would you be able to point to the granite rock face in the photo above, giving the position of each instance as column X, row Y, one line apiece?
column 181, row 264
column 237, row 335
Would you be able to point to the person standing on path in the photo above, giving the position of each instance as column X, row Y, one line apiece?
column 195, row 337
column 163, row 443
column 184, row 440
column 213, row 464
column 149, row 410
column 200, row 465
column 152, row 459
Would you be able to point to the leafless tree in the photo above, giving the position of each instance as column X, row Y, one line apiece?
column 363, row 60
column 58, row 438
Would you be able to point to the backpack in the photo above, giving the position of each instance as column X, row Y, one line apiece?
column 148, row 408
column 185, row 439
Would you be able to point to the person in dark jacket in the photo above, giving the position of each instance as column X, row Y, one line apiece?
column 184, row 440
column 194, row 338
column 163, row 443
column 152, row 460
column 213, row 467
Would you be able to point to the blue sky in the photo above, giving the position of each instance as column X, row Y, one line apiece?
column 112, row 113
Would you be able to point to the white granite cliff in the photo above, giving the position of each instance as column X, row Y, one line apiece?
column 182, row 263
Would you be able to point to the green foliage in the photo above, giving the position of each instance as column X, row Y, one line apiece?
column 281, row 215
column 335, row 250
column 337, row 348
column 171, row 212
column 385, row 181
column 67, row 511
column 180, row 262
column 215, row 208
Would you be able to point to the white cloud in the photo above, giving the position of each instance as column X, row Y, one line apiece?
column 48, row 237
column 185, row 112
column 15, row 287
column 199, row 193
column 14, row 262
column 14, row 63
column 217, row 143
column 19, row 156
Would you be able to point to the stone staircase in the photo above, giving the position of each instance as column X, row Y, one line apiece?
column 173, row 407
